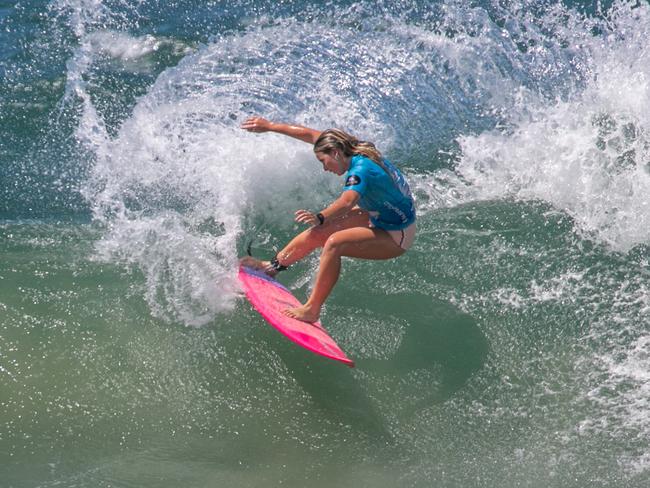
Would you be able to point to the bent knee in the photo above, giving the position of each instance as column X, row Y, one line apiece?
column 334, row 245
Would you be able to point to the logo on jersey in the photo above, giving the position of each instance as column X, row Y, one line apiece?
column 352, row 180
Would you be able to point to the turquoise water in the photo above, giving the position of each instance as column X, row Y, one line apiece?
column 509, row 347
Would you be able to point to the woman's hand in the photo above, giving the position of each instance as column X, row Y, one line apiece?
column 340, row 206
column 306, row 217
column 256, row 124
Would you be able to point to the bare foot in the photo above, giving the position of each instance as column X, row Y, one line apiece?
column 263, row 266
column 304, row 313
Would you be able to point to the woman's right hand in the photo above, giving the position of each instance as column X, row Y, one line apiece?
column 256, row 124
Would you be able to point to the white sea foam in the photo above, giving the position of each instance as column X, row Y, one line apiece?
column 127, row 48
column 588, row 155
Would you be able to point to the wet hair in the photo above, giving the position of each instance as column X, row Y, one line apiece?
column 349, row 145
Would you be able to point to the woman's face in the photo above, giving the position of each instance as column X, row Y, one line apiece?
column 331, row 162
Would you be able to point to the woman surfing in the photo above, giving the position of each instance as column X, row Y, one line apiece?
column 373, row 218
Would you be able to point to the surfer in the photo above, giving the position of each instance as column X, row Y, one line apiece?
column 373, row 218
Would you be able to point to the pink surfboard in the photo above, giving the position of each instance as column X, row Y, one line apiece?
column 270, row 298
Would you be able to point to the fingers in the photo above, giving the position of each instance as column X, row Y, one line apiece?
column 306, row 217
column 255, row 124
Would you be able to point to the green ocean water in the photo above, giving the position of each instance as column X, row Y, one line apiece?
column 508, row 347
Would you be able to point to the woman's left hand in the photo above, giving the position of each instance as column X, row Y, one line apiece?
column 306, row 217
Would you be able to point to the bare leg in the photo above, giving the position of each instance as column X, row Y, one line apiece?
column 305, row 242
column 358, row 242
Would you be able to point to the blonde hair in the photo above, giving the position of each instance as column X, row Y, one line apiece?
column 331, row 139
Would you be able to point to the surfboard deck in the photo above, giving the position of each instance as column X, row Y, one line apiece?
column 269, row 297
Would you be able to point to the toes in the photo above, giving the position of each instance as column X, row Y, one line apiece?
column 247, row 261
column 263, row 266
column 302, row 315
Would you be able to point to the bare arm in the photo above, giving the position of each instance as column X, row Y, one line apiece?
column 259, row 124
column 340, row 206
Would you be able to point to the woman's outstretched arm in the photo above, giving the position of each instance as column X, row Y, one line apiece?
column 259, row 124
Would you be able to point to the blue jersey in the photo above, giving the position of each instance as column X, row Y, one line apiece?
column 384, row 192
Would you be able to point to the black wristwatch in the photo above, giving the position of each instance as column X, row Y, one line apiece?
column 321, row 218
